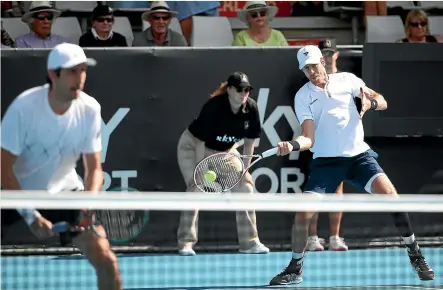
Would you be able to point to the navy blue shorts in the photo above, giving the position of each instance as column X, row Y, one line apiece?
column 328, row 173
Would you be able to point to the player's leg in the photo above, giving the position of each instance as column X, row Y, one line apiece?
column 324, row 178
column 248, row 239
column 97, row 250
column 99, row 253
column 313, row 243
column 372, row 178
column 335, row 242
column 187, row 233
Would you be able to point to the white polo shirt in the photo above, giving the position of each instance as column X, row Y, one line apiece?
column 338, row 127
column 48, row 145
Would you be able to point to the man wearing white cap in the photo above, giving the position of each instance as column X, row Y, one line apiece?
column 44, row 132
column 332, row 127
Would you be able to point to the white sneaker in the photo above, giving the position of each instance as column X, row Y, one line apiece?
column 337, row 244
column 314, row 244
column 186, row 251
column 256, row 249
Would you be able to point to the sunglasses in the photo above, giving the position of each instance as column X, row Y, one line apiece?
column 416, row 24
column 103, row 19
column 246, row 90
column 255, row 14
column 42, row 17
column 164, row 18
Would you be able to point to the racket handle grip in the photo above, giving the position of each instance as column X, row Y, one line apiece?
column 269, row 152
column 60, row 227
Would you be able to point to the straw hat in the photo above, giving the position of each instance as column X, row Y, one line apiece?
column 256, row 5
column 158, row 6
column 37, row 7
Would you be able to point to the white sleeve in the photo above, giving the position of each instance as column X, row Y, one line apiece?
column 301, row 106
column 356, row 84
column 13, row 131
column 93, row 143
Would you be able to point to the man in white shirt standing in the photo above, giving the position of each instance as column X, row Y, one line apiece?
column 44, row 132
column 333, row 129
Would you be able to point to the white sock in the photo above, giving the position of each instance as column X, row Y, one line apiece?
column 409, row 240
column 297, row 256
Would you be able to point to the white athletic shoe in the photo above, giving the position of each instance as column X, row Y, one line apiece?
column 337, row 244
column 186, row 251
column 256, row 249
column 314, row 244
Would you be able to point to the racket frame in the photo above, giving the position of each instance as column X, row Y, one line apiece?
column 240, row 157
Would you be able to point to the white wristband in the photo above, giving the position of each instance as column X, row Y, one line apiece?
column 29, row 215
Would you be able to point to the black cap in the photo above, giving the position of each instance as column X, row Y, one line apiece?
column 327, row 44
column 239, row 80
column 102, row 10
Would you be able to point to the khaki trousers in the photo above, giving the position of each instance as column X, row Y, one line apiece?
column 188, row 227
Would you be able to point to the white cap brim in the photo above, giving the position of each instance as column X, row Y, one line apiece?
column 75, row 62
column 311, row 60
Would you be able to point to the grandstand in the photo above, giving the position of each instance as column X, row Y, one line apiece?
column 345, row 24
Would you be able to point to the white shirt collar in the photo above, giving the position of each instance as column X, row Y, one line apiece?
column 96, row 36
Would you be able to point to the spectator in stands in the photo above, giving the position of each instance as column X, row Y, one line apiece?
column 417, row 28
column 6, row 39
column 329, row 50
column 187, row 9
column 159, row 34
column 40, row 17
column 101, row 34
column 257, row 15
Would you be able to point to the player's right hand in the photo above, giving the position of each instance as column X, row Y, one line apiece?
column 284, row 148
column 42, row 228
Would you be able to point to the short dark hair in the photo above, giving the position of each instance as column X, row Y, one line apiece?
column 57, row 73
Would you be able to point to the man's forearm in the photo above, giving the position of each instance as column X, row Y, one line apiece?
column 10, row 182
column 305, row 143
column 94, row 180
column 381, row 102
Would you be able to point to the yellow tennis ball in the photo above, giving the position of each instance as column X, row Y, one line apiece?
column 210, row 176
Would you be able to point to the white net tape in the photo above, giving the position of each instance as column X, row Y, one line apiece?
column 174, row 201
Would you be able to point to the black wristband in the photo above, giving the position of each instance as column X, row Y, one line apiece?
column 374, row 104
column 295, row 145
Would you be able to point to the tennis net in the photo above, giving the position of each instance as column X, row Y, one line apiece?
column 376, row 258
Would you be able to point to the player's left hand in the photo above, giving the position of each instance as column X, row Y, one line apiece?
column 284, row 148
column 365, row 98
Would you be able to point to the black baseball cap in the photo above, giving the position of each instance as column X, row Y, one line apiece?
column 327, row 44
column 102, row 10
column 239, row 80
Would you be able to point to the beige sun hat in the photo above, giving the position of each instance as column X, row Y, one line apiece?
column 256, row 5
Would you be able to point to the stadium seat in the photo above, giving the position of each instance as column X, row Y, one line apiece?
column 431, row 4
column 436, row 24
column 384, row 28
column 76, row 6
column 123, row 26
column 15, row 27
column 211, row 31
column 68, row 27
column 407, row 5
column 174, row 25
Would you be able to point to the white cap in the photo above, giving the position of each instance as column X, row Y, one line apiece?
column 67, row 55
column 309, row 54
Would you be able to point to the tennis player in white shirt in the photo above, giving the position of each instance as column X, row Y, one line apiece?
column 44, row 132
column 333, row 128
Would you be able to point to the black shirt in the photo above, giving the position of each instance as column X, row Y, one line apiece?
column 220, row 128
column 88, row 40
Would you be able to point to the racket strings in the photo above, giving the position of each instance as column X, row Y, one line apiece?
column 227, row 167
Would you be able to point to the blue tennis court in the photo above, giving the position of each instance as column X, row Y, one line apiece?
column 355, row 269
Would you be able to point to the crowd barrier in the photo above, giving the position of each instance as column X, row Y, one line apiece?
column 149, row 96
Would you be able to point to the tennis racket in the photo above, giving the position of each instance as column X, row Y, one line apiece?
column 120, row 226
column 222, row 171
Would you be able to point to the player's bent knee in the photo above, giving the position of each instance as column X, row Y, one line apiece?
column 382, row 185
